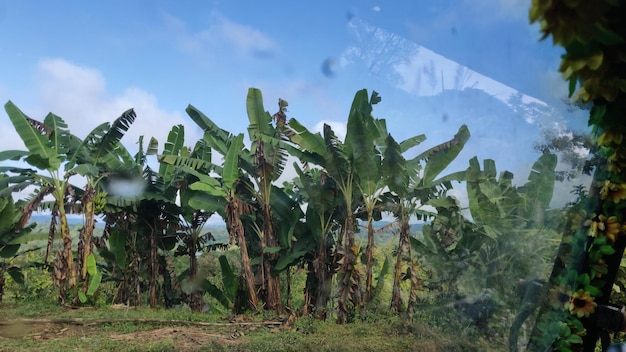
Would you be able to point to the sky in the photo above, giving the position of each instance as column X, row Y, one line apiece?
column 436, row 64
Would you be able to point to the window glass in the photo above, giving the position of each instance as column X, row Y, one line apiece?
column 505, row 155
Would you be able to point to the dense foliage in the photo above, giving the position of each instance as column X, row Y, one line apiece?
column 592, row 34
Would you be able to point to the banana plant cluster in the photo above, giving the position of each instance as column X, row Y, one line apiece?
column 12, row 227
column 593, row 36
column 371, row 176
column 492, row 251
column 506, row 217
column 53, row 149
column 154, row 213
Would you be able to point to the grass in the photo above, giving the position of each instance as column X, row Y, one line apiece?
column 378, row 333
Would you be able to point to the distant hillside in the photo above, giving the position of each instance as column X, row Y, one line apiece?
column 385, row 230
column 71, row 219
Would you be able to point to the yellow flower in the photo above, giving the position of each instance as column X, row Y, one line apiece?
column 609, row 137
column 582, row 304
column 617, row 162
column 603, row 226
column 613, row 228
column 612, row 191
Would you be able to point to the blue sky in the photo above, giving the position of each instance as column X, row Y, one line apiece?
column 89, row 61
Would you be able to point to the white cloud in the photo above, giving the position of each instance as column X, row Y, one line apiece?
column 222, row 37
column 376, row 8
column 79, row 95
column 70, row 90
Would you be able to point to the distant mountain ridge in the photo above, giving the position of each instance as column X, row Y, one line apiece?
column 71, row 219
column 43, row 219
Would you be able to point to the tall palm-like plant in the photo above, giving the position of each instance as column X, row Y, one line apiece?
column 342, row 162
column 50, row 145
column 191, row 225
column 264, row 165
column 412, row 184
column 224, row 194
column 12, row 227
column 318, row 191
column 127, row 196
column 365, row 157
column 268, row 161
column 159, row 217
column 508, row 216
column 95, row 160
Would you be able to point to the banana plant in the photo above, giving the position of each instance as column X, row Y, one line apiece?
column 11, row 229
column 96, row 159
column 263, row 164
column 185, row 163
column 356, row 170
column 366, row 157
column 224, row 194
column 330, row 153
column 226, row 295
column 49, row 145
column 317, row 189
column 338, row 160
column 448, row 247
column 268, row 161
column 142, row 217
column 412, row 184
column 508, row 216
column 159, row 215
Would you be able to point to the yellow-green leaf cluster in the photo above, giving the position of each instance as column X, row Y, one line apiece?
column 592, row 32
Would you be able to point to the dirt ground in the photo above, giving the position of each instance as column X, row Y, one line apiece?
column 184, row 338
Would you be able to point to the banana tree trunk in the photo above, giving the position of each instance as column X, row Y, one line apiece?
column 135, row 266
column 64, row 276
column 369, row 258
column 154, row 269
column 3, row 266
column 318, row 282
column 86, row 234
column 325, row 280
column 195, row 299
column 349, row 284
column 171, row 285
column 288, row 288
column 415, row 282
column 235, row 229
column 51, row 233
column 403, row 245
column 273, row 300
column 248, row 273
